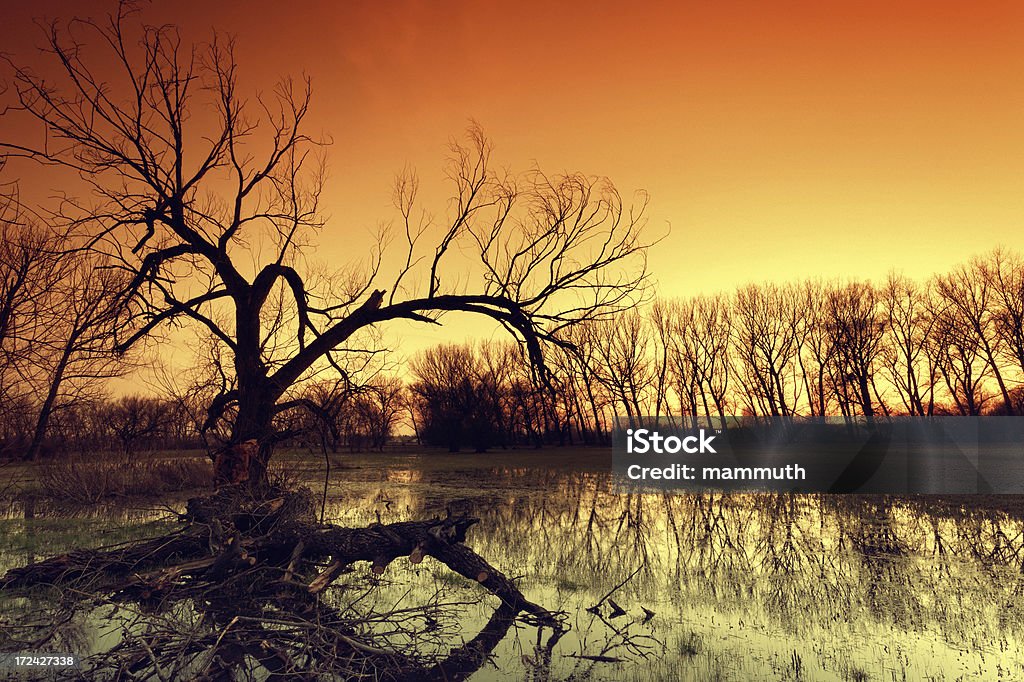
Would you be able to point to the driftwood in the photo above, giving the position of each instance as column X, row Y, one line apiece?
column 243, row 558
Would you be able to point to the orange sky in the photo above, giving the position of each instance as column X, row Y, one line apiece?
column 780, row 140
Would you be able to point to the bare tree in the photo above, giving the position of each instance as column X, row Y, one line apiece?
column 1005, row 272
column 856, row 332
column 815, row 351
column 134, row 418
column 711, row 330
column 910, row 368
column 385, row 397
column 57, row 312
column 697, row 335
column 625, row 366
column 957, row 353
column 968, row 288
column 185, row 201
column 30, row 269
column 659, row 319
column 765, row 348
column 455, row 408
column 75, row 356
column 579, row 365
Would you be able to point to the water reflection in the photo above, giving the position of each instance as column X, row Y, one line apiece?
column 704, row 586
column 753, row 586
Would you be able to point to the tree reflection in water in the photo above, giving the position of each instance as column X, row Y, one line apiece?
column 759, row 585
column 694, row 586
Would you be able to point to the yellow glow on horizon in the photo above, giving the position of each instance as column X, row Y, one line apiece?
column 780, row 140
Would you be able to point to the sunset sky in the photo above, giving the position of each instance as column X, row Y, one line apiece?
column 779, row 139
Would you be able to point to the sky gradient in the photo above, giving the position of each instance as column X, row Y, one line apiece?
column 780, row 140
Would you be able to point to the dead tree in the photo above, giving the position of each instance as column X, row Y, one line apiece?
column 203, row 200
column 183, row 201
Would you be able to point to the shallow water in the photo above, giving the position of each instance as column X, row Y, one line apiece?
column 741, row 587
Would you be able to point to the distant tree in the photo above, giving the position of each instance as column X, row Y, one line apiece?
column 497, row 376
column 856, row 331
column 135, row 419
column 625, row 367
column 1005, row 272
column 909, row 366
column 815, row 351
column 578, row 366
column 957, row 353
column 681, row 360
column 699, row 331
column 75, row 356
column 454, row 408
column 765, row 348
column 15, row 425
column 968, row 290
column 385, row 399
column 365, row 416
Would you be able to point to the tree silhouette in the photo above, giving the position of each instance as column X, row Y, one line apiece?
column 208, row 215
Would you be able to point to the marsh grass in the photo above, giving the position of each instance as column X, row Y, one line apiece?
column 856, row 674
column 567, row 584
column 87, row 481
column 24, row 540
column 285, row 475
column 450, row 579
column 690, row 645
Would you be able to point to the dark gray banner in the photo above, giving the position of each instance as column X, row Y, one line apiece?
column 900, row 455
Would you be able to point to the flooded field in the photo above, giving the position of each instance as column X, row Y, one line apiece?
column 703, row 587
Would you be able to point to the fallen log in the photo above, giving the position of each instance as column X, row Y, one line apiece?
column 241, row 558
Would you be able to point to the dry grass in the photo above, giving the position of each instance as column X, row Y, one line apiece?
column 77, row 480
column 285, row 476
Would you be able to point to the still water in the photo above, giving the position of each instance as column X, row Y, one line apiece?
column 707, row 587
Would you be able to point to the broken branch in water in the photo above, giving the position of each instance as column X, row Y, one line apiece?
column 258, row 571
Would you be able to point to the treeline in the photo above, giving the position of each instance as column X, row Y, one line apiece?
column 951, row 345
column 364, row 418
column 126, row 425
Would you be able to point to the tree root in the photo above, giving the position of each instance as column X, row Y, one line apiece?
column 257, row 569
